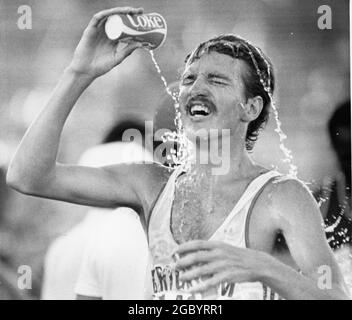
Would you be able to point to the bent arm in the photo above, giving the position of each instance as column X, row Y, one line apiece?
column 299, row 219
column 34, row 163
column 34, row 169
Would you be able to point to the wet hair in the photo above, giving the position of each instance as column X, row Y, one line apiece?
column 258, row 79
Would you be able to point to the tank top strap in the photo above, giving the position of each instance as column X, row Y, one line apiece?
column 253, row 202
column 164, row 199
column 246, row 197
column 254, row 187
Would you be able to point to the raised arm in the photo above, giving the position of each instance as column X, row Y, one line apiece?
column 34, row 169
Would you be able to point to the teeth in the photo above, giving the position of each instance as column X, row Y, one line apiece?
column 199, row 108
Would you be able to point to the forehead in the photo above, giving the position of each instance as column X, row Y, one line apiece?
column 215, row 62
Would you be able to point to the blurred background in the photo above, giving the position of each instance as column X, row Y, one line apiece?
column 312, row 71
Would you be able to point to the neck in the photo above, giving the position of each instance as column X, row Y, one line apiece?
column 222, row 159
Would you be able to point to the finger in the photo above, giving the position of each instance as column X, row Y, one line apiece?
column 195, row 246
column 175, row 256
column 209, row 269
column 195, row 258
column 226, row 276
column 102, row 22
column 119, row 10
column 128, row 41
column 214, row 281
column 126, row 51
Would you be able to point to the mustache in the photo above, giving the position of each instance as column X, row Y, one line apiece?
column 201, row 98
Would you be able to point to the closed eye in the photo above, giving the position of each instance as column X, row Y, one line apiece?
column 218, row 81
column 189, row 79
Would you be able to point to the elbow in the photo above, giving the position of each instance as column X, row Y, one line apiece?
column 16, row 181
column 12, row 177
column 22, row 181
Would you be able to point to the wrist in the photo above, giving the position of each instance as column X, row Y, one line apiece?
column 266, row 269
column 77, row 75
column 71, row 85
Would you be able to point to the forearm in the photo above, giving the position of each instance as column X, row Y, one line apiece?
column 36, row 155
column 292, row 285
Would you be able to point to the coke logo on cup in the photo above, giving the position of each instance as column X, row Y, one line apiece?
column 146, row 21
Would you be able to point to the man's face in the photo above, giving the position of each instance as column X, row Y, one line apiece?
column 211, row 93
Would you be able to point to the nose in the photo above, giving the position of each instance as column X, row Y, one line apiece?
column 199, row 87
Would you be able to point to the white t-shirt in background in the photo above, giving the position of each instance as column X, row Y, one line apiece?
column 115, row 261
column 104, row 250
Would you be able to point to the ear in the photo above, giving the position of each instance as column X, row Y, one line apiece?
column 252, row 109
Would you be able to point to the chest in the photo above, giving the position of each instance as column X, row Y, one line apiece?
column 199, row 210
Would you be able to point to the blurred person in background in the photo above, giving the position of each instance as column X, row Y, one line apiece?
column 100, row 237
column 335, row 194
column 213, row 92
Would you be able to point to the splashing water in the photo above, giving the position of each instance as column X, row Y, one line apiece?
column 338, row 225
column 293, row 170
column 169, row 92
column 182, row 155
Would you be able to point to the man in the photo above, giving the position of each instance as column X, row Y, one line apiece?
column 222, row 251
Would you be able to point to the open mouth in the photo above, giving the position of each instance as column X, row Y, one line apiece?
column 200, row 109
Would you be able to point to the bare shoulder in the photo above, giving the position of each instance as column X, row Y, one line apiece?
column 269, row 211
column 289, row 199
column 288, row 188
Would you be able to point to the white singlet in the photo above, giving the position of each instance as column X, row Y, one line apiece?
column 234, row 231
